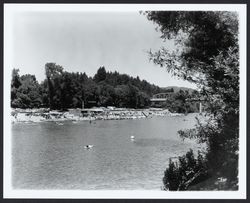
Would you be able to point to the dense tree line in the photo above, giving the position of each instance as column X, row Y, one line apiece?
column 25, row 91
column 207, row 55
column 62, row 90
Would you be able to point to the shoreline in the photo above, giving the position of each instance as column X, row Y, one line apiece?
column 100, row 113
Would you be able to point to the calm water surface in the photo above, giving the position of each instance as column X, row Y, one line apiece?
column 50, row 156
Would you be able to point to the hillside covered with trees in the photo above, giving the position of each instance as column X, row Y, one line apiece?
column 62, row 90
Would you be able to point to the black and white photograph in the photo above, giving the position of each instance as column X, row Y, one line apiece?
column 124, row 101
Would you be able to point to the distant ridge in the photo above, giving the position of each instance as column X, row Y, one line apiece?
column 177, row 89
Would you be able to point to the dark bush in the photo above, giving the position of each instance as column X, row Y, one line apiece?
column 185, row 172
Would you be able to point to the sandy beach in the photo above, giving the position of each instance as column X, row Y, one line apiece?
column 102, row 113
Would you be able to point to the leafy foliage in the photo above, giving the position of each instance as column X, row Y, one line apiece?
column 186, row 172
column 207, row 54
column 199, row 37
column 24, row 91
column 100, row 75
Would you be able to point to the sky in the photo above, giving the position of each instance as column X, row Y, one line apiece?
column 84, row 41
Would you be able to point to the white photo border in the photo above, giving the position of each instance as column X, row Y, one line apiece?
column 8, row 192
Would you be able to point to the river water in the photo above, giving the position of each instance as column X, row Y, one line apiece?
column 50, row 156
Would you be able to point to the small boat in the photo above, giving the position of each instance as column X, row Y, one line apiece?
column 59, row 123
column 132, row 137
column 88, row 146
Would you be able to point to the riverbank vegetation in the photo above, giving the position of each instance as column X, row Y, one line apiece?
column 62, row 90
column 207, row 54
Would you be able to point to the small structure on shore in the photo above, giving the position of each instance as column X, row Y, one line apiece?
column 160, row 99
